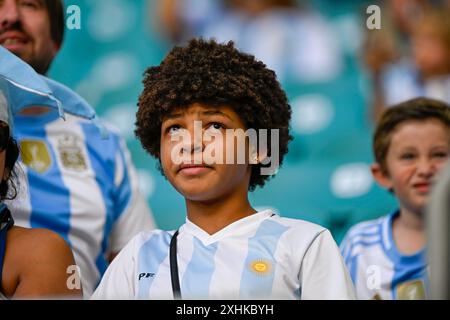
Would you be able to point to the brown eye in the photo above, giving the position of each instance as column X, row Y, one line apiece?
column 215, row 126
column 440, row 155
column 29, row 3
column 407, row 156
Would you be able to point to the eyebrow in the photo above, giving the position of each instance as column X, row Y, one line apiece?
column 206, row 113
column 215, row 112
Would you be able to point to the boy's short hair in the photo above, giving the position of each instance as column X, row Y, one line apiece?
column 418, row 109
column 217, row 75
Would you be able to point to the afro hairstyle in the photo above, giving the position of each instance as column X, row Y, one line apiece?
column 213, row 74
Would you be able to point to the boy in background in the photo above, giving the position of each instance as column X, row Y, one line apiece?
column 386, row 257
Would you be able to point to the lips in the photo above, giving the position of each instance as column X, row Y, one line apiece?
column 193, row 169
column 422, row 186
column 12, row 40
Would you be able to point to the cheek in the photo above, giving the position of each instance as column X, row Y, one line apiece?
column 400, row 174
column 442, row 164
column 37, row 25
column 165, row 155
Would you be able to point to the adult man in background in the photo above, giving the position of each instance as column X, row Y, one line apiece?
column 75, row 181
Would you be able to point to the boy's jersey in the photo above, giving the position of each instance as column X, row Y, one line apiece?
column 77, row 183
column 377, row 268
column 262, row 256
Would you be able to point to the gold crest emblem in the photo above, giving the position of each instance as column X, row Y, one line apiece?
column 35, row 155
column 411, row 290
column 377, row 297
column 261, row 267
column 71, row 154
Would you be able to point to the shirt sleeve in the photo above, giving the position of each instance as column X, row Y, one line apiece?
column 323, row 274
column 118, row 281
column 133, row 215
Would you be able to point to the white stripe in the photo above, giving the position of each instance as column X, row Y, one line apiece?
column 226, row 281
column 88, row 212
column 373, row 227
column 286, row 273
column 119, row 170
column 21, row 206
column 365, row 238
column 385, row 227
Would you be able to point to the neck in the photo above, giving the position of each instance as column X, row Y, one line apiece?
column 214, row 215
column 408, row 232
column 411, row 220
column 33, row 111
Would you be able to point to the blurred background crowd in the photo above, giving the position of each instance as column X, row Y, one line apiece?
column 339, row 77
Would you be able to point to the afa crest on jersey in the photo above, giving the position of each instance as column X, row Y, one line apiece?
column 70, row 153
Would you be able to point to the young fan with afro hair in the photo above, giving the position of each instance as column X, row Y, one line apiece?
column 226, row 249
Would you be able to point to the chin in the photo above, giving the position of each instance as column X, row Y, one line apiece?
column 197, row 196
column 198, row 193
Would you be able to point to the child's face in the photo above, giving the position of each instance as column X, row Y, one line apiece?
column 209, row 178
column 418, row 151
column 430, row 52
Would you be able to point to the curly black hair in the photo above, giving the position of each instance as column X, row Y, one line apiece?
column 8, row 184
column 214, row 74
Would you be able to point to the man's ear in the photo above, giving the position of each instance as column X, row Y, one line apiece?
column 381, row 176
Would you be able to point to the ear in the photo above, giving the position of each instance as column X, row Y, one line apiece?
column 380, row 176
column 258, row 156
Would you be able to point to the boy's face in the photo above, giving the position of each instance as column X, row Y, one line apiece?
column 184, row 138
column 418, row 151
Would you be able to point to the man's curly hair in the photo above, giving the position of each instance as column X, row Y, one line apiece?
column 216, row 75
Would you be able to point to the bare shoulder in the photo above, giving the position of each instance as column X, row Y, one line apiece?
column 29, row 248
column 36, row 241
column 35, row 265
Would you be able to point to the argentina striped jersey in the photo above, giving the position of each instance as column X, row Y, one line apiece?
column 262, row 256
column 377, row 268
column 80, row 185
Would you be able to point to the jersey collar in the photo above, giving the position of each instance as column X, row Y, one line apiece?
column 390, row 248
column 236, row 228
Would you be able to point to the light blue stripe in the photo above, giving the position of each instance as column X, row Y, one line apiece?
column 298, row 293
column 123, row 195
column 261, row 247
column 352, row 265
column 101, row 158
column 197, row 277
column 152, row 253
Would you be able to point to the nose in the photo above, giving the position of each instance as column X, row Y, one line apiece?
column 194, row 143
column 426, row 168
column 9, row 14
